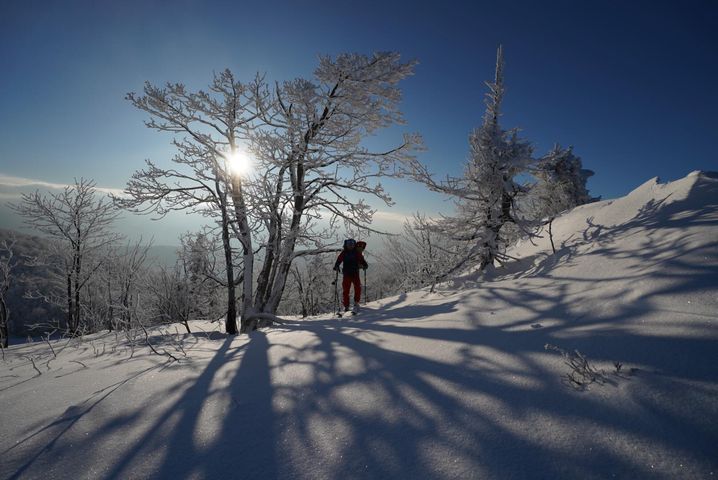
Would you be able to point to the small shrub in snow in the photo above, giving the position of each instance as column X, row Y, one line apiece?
column 581, row 373
column 617, row 365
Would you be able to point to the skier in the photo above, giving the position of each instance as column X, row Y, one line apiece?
column 351, row 260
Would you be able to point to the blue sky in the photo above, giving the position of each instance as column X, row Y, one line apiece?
column 631, row 85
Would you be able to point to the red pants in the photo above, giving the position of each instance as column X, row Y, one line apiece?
column 347, row 282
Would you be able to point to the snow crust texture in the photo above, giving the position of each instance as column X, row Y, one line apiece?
column 454, row 384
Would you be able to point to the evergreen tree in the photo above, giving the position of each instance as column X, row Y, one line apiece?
column 486, row 195
column 561, row 185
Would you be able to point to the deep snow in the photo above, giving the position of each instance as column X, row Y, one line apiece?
column 455, row 384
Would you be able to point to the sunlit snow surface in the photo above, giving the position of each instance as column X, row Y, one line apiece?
column 454, row 384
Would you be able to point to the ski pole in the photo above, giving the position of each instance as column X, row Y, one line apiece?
column 365, row 289
column 336, row 292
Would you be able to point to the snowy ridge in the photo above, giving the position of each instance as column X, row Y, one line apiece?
column 455, row 384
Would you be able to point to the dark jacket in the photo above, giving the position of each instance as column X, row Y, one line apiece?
column 351, row 261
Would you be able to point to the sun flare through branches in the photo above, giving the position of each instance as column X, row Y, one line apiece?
column 238, row 162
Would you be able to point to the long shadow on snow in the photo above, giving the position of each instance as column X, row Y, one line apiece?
column 382, row 448
column 244, row 443
column 56, row 430
column 414, row 416
column 177, row 442
column 423, row 406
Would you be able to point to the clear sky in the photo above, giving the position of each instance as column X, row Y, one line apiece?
column 630, row 84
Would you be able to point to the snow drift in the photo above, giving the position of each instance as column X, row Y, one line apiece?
column 455, row 384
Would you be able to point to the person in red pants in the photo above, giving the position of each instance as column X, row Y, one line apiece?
column 351, row 261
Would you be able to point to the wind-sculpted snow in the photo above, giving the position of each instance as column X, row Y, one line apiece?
column 455, row 384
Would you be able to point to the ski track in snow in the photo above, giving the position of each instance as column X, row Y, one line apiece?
column 452, row 384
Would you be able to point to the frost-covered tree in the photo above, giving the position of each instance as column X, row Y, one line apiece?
column 199, row 265
column 309, row 290
column 8, row 262
column 190, row 289
column 127, row 275
column 168, row 290
column 486, row 195
column 208, row 127
column 311, row 166
column 562, row 179
column 112, row 295
column 79, row 224
column 560, row 186
column 420, row 255
column 315, row 164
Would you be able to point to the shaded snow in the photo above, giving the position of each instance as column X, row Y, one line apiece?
column 454, row 384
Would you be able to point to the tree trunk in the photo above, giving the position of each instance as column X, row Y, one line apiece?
column 125, row 302
column 283, row 266
column 110, row 308
column 4, row 318
column 245, row 238
column 550, row 234
column 266, row 276
column 70, row 313
column 287, row 253
column 78, row 270
column 230, row 323
column 264, row 280
column 247, row 300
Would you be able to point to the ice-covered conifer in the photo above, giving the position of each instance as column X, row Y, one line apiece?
column 560, row 186
column 486, row 194
column 561, row 180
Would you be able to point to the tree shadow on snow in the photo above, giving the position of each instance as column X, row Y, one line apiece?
column 326, row 399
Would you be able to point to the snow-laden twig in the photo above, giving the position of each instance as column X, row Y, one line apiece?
column 581, row 373
column 32, row 360
column 47, row 340
column 152, row 347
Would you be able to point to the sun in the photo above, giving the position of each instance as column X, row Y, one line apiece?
column 239, row 162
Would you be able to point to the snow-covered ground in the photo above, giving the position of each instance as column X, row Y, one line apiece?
column 454, row 384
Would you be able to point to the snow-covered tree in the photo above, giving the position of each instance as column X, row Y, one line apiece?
column 8, row 262
column 209, row 125
column 560, row 186
column 420, row 255
column 112, row 295
column 309, row 290
column 79, row 224
column 562, row 180
column 190, row 289
column 486, row 194
column 128, row 275
column 168, row 290
column 306, row 137
column 199, row 265
column 315, row 164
